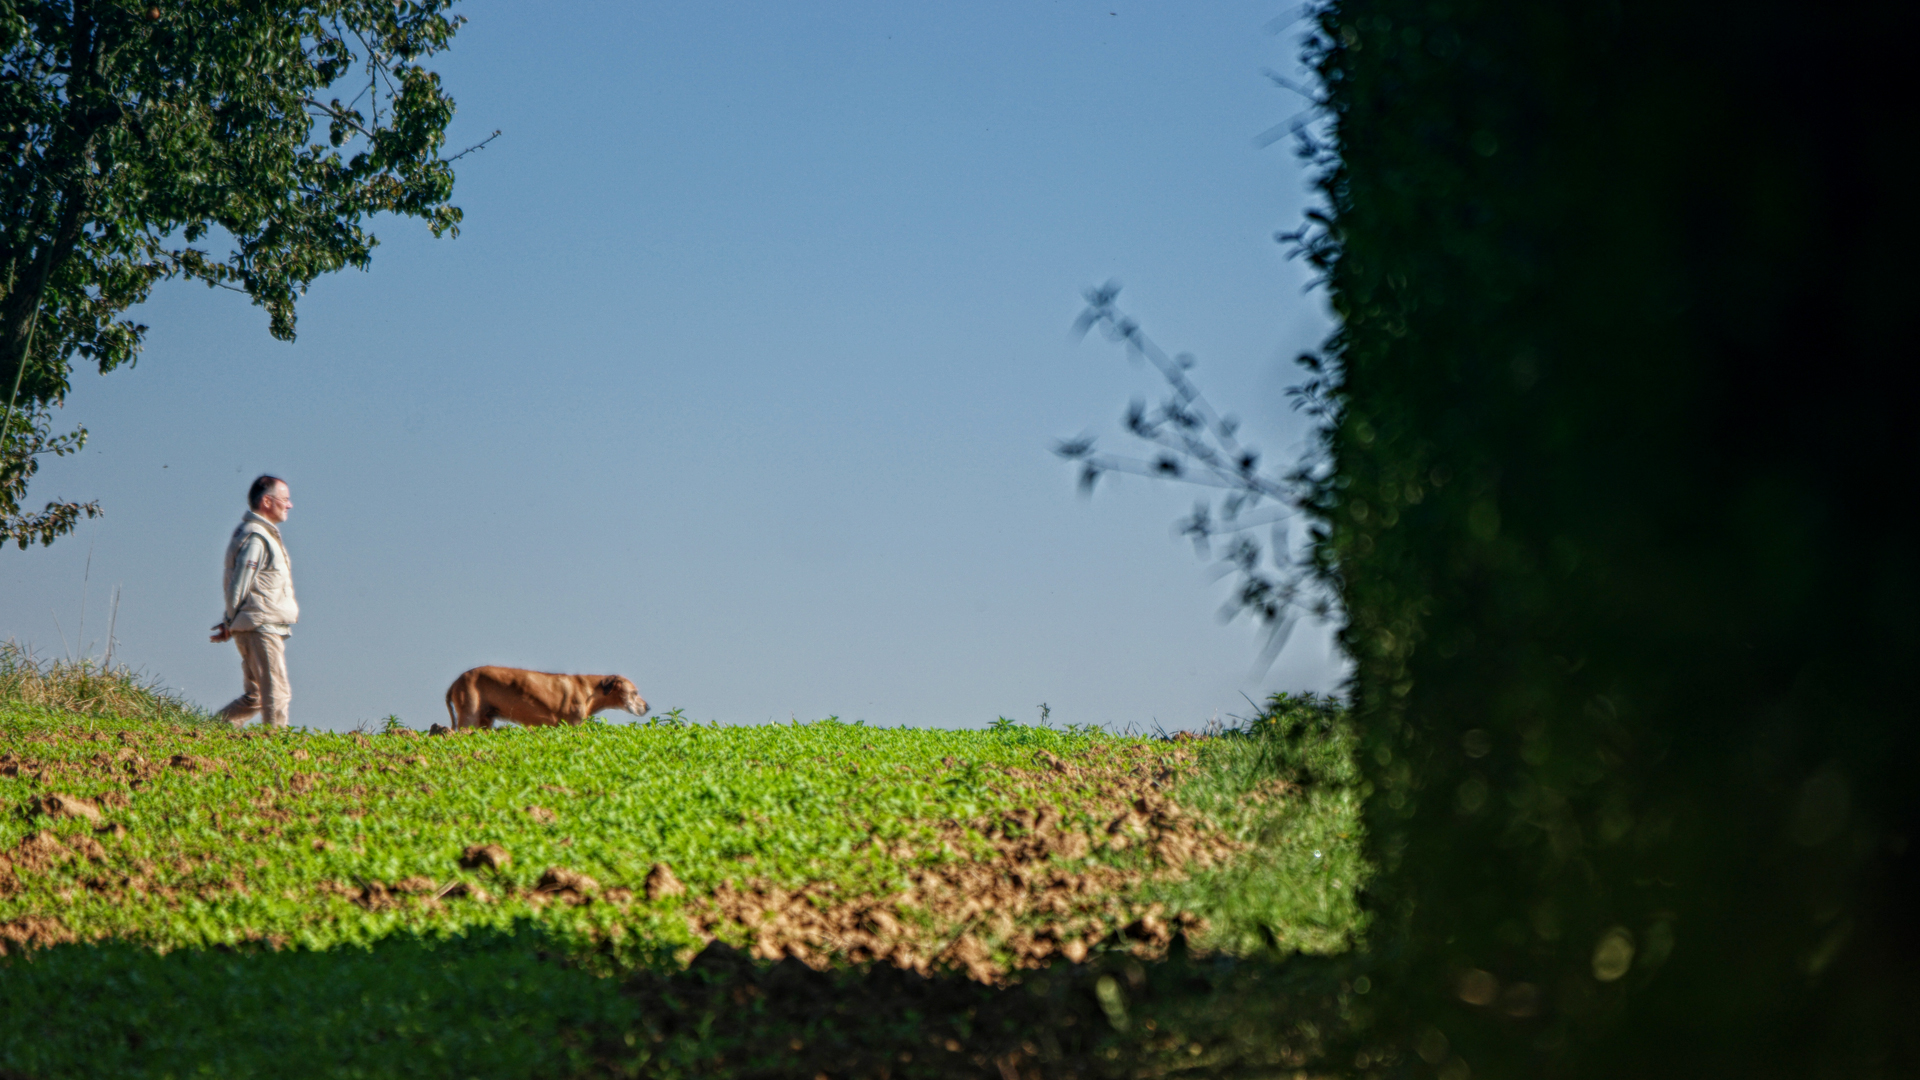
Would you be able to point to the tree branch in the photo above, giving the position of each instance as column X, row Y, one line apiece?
column 1199, row 446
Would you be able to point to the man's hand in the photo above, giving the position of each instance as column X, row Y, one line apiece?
column 221, row 633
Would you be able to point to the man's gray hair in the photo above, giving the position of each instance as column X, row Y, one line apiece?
column 262, row 484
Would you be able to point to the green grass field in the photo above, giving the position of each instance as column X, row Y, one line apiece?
column 180, row 899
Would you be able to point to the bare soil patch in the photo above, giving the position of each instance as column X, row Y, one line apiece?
column 1029, row 896
column 32, row 932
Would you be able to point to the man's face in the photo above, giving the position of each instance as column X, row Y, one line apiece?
column 276, row 504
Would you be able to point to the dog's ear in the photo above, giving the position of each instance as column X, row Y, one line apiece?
column 609, row 684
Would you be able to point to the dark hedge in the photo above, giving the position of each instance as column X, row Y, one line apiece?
column 1622, row 518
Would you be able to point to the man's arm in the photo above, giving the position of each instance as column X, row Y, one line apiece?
column 246, row 563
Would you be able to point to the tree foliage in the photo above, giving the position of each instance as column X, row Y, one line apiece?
column 243, row 145
column 1614, row 490
column 1621, row 509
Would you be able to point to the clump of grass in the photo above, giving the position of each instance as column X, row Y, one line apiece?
column 1306, row 740
column 88, row 687
column 1285, row 783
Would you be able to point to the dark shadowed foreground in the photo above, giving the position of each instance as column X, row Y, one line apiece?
column 499, row 1004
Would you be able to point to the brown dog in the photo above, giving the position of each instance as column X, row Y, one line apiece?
column 535, row 698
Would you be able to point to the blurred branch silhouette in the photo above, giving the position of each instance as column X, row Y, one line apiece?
column 1189, row 441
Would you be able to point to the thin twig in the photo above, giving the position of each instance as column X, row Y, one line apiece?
column 86, row 578
column 112, row 620
column 481, row 145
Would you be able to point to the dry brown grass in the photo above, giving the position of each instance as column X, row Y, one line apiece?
column 88, row 687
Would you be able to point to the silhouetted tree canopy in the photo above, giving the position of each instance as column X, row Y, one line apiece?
column 1621, row 514
column 1618, row 508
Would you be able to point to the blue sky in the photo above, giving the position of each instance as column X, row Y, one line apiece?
column 741, row 379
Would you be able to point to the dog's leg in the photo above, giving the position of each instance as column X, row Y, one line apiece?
column 465, row 702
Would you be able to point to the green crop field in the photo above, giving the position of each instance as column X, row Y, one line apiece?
column 178, row 898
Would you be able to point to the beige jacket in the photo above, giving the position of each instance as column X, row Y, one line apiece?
column 259, row 579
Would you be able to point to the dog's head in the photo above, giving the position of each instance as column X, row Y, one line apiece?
column 620, row 693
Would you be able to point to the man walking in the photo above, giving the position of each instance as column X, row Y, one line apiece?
column 261, row 610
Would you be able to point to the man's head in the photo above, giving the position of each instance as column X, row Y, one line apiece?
column 270, row 498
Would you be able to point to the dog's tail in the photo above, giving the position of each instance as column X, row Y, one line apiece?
column 453, row 718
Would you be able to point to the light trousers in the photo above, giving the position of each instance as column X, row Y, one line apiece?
column 263, row 664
